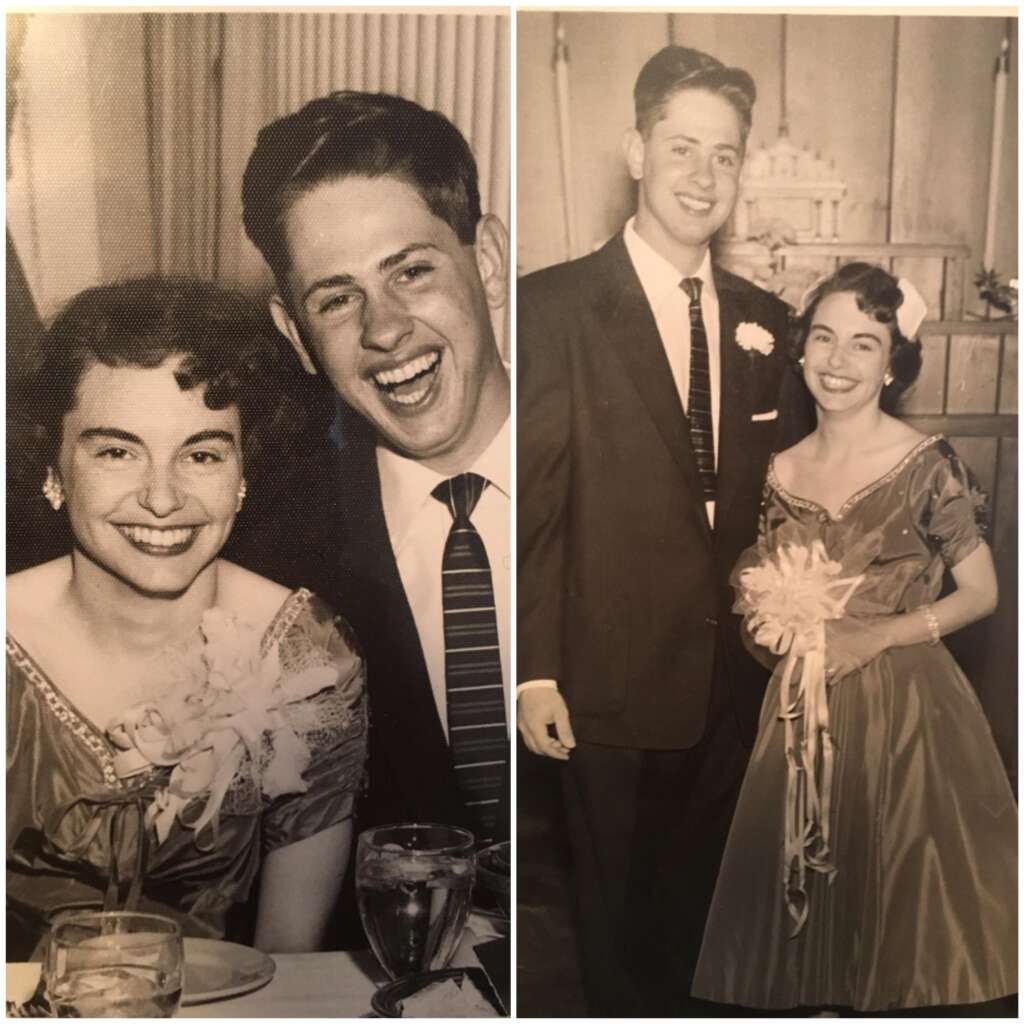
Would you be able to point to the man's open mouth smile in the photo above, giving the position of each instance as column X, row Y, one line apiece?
column 160, row 541
column 692, row 204
column 410, row 383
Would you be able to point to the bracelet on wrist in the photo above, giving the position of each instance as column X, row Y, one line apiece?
column 932, row 623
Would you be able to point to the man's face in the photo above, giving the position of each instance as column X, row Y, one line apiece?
column 396, row 311
column 688, row 168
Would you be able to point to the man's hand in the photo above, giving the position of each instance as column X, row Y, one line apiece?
column 537, row 709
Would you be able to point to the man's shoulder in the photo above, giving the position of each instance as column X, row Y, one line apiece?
column 578, row 277
column 747, row 294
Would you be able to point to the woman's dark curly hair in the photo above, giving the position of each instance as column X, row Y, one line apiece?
column 878, row 295
column 228, row 345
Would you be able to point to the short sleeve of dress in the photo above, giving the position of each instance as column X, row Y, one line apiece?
column 332, row 723
column 953, row 507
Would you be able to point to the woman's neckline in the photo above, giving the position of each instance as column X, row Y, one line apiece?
column 95, row 738
column 861, row 492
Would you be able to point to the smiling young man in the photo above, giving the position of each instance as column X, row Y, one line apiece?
column 649, row 400
column 366, row 208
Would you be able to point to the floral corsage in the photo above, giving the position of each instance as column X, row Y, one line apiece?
column 224, row 698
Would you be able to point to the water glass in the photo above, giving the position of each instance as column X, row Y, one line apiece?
column 413, row 885
column 114, row 964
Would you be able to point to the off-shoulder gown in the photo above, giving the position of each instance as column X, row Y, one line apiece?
column 923, row 908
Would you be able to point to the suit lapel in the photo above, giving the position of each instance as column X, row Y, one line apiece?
column 632, row 332
column 736, row 395
column 397, row 671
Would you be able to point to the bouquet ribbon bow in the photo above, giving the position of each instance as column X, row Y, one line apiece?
column 789, row 597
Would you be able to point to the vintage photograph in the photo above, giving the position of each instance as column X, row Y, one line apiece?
column 258, row 512
column 766, row 356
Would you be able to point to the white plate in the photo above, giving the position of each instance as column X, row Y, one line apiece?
column 217, row 970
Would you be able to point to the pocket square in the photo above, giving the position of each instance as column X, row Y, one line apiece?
column 760, row 417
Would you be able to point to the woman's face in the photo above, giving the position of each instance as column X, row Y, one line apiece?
column 150, row 475
column 846, row 355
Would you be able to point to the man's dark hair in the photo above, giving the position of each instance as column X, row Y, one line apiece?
column 675, row 68
column 356, row 134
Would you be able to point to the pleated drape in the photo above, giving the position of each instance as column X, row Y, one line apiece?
column 215, row 79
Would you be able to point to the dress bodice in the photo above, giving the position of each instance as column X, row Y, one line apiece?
column 901, row 531
column 72, row 821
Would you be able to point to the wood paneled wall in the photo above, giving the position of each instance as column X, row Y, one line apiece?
column 902, row 104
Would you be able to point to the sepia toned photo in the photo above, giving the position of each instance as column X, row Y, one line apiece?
column 259, row 495
column 766, row 357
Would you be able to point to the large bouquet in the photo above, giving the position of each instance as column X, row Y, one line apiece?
column 217, row 701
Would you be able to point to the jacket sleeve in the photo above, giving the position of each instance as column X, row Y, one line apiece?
column 543, row 434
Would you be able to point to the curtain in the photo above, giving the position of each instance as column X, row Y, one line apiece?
column 215, row 79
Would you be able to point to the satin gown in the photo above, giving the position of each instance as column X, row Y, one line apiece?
column 922, row 909
column 71, row 822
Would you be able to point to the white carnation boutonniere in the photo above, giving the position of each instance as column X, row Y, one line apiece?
column 754, row 338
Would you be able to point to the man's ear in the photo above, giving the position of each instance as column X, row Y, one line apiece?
column 633, row 149
column 287, row 326
column 492, row 259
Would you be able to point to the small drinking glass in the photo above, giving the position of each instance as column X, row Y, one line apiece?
column 114, row 964
column 413, row 885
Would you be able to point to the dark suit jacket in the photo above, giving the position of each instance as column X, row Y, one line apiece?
column 326, row 530
column 623, row 593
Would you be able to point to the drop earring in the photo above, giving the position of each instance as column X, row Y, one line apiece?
column 52, row 489
column 241, row 496
column 888, row 378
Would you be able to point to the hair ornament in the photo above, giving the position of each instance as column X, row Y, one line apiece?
column 909, row 316
column 912, row 310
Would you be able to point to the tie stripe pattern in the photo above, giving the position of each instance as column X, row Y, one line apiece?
column 477, row 732
column 698, row 406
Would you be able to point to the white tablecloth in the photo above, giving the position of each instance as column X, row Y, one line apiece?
column 304, row 985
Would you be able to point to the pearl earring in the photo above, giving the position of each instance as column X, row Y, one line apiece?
column 888, row 378
column 241, row 496
column 52, row 489
column 800, row 361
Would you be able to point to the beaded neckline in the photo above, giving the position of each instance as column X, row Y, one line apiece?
column 857, row 496
column 86, row 732
column 67, row 714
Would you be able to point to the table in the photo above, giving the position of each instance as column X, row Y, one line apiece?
column 304, row 985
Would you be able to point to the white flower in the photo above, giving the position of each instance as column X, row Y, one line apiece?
column 754, row 338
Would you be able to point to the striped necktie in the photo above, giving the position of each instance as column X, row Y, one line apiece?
column 478, row 736
column 698, row 405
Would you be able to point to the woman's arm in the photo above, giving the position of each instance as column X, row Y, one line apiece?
column 299, row 890
column 975, row 597
column 851, row 643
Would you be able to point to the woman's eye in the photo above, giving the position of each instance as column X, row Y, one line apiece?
column 724, row 160
column 113, row 454
column 205, row 458
column 681, row 150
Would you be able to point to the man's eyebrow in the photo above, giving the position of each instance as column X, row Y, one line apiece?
column 334, row 281
column 386, row 264
column 393, row 261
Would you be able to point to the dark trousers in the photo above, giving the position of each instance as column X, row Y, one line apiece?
column 647, row 829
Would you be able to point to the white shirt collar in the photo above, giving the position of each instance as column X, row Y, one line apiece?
column 657, row 276
column 406, row 485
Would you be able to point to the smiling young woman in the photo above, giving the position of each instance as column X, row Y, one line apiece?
column 176, row 725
